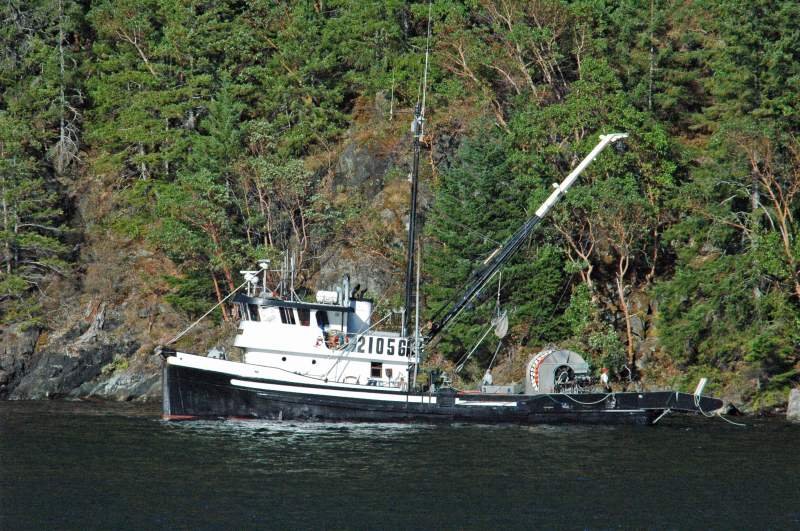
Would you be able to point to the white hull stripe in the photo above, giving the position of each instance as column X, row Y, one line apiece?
column 460, row 402
column 246, row 370
column 316, row 391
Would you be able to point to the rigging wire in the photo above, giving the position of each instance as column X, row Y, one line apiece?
column 496, row 322
column 563, row 292
column 587, row 403
column 466, row 358
column 491, row 362
column 729, row 421
column 697, row 404
column 417, row 342
column 499, row 284
column 463, row 360
column 417, row 129
column 174, row 339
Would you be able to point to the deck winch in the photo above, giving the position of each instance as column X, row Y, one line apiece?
column 555, row 370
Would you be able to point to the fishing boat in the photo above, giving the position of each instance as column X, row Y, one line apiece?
column 330, row 359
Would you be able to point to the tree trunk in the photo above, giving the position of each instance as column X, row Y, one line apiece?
column 219, row 298
column 621, row 270
column 65, row 150
column 226, row 271
column 142, row 165
column 266, row 213
column 652, row 59
column 248, row 215
column 755, row 198
column 7, row 242
column 652, row 273
column 62, row 132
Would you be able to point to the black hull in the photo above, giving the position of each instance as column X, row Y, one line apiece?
column 196, row 393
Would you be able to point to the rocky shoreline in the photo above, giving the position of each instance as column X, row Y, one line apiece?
column 95, row 363
column 105, row 361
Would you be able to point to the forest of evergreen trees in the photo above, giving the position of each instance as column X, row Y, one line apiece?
column 214, row 126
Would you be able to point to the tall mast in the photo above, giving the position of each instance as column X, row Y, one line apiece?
column 416, row 131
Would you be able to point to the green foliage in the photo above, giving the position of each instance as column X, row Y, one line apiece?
column 756, row 65
column 660, row 51
column 715, row 312
column 198, row 210
column 578, row 315
column 32, row 248
column 118, row 364
column 733, row 300
column 35, row 39
column 598, row 341
column 606, row 349
column 190, row 293
column 155, row 74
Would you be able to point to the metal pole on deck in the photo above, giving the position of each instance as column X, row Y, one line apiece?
column 416, row 130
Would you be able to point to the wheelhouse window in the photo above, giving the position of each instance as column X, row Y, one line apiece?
column 322, row 318
column 253, row 312
column 304, row 314
column 287, row 316
column 376, row 370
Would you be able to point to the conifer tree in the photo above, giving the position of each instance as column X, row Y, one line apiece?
column 198, row 210
column 141, row 115
column 479, row 204
column 31, row 249
column 39, row 123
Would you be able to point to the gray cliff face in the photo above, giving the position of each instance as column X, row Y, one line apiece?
column 94, row 359
column 100, row 323
column 793, row 411
column 377, row 175
column 140, row 382
column 360, row 169
column 364, row 271
column 18, row 346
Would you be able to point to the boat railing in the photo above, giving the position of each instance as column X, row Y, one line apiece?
column 376, row 382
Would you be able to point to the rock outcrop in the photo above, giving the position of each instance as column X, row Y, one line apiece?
column 793, row 410
column 100, row 329
column 360, row 169
column 80, row 353
column 18, row 345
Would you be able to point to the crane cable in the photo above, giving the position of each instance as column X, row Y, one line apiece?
column 493, row 323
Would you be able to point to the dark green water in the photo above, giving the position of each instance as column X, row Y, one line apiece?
column 89, row 466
